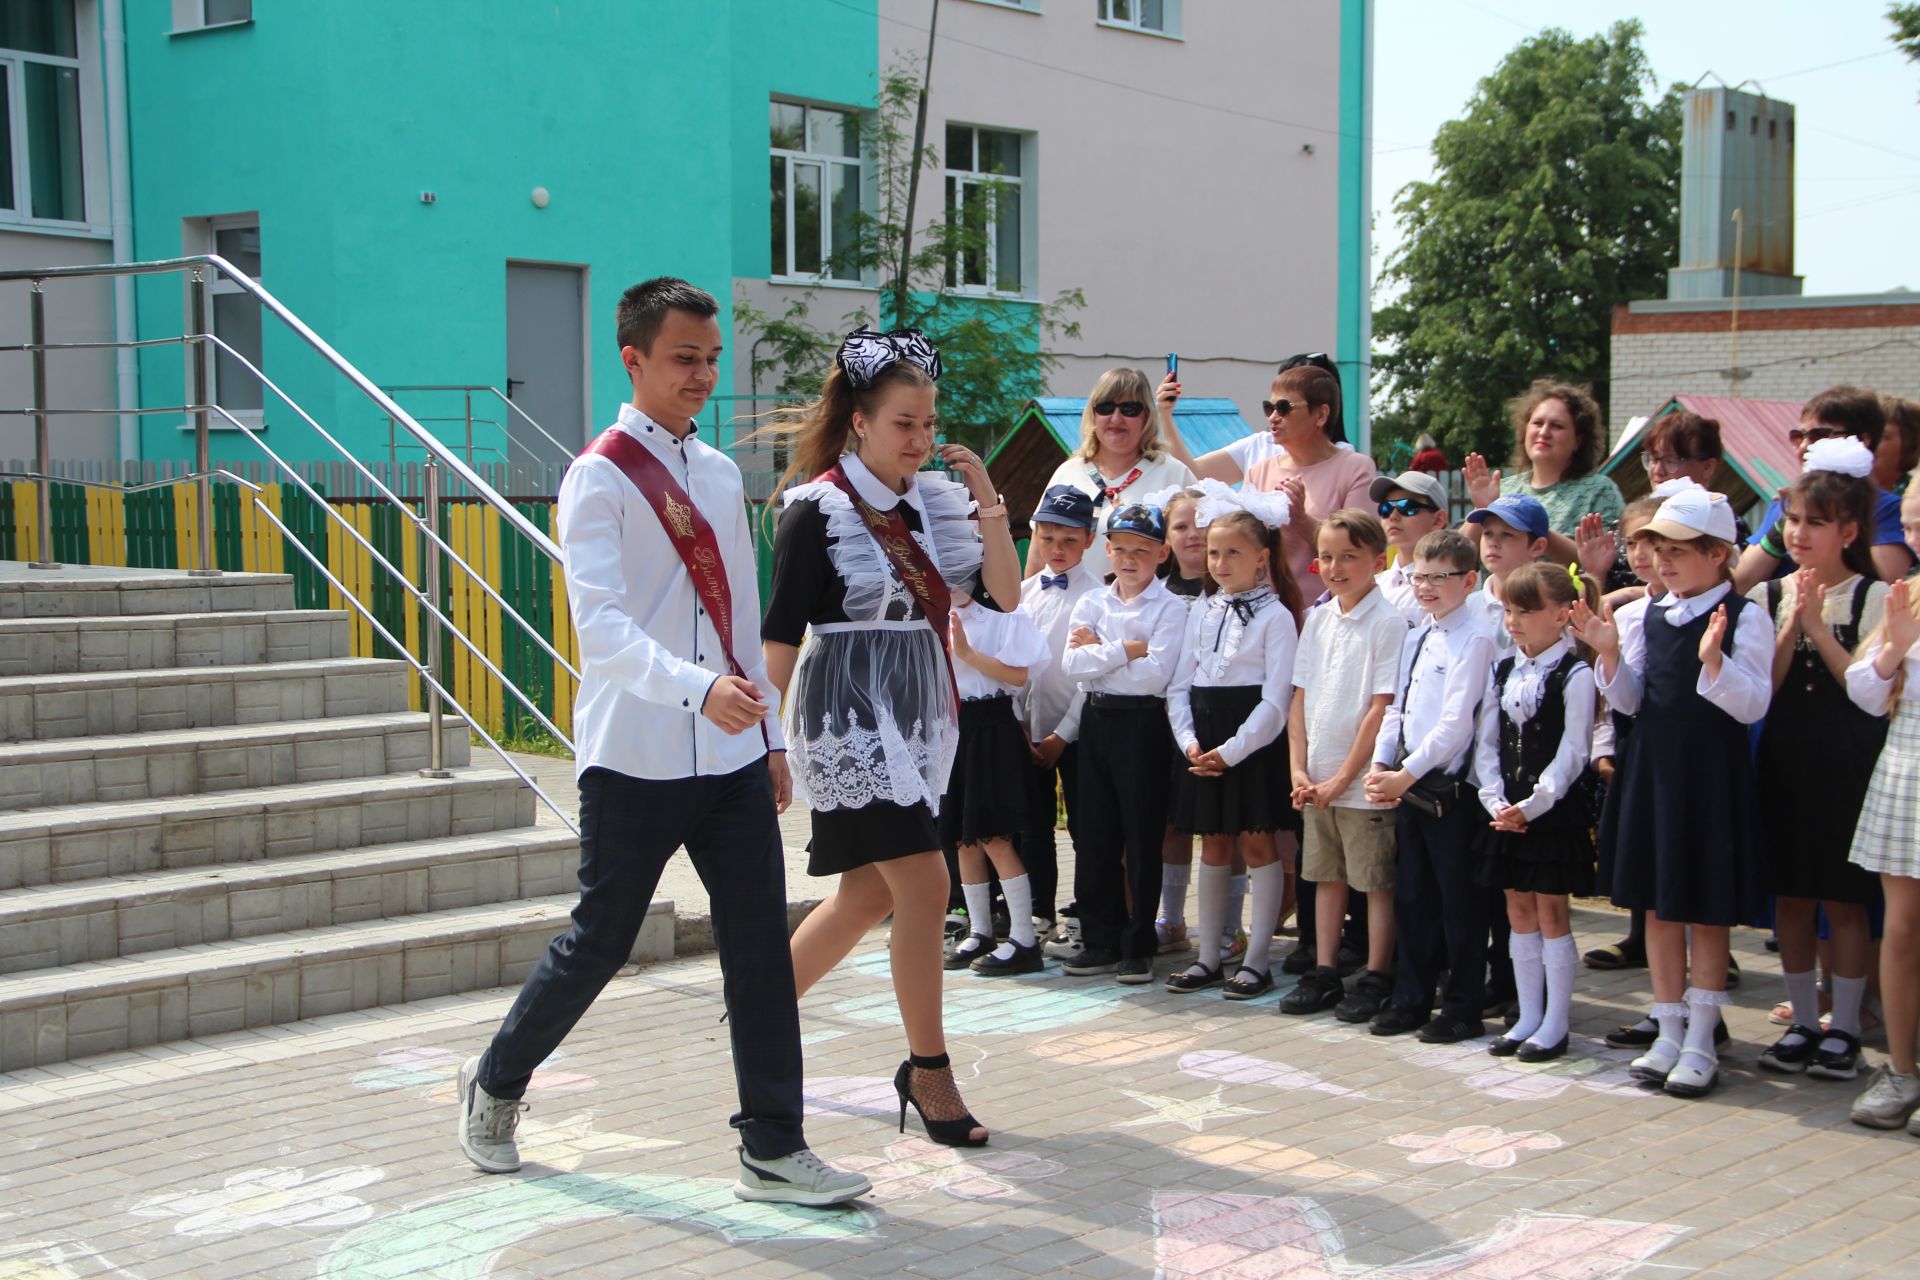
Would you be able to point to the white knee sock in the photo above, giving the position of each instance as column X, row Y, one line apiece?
column 1529, row 983
column 1173, row 892
column 979, row 907
column 1703, row 1018
column 1210, row 910
column 1847, row 994
column 1269, row 885
column 1560, row 959
column 1236, row 900
column 1803, row 991
column 1019, row 894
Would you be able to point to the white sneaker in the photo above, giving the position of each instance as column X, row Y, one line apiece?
column 487, row 1124
column 802, row 1178
column 1889, row 1102
column 1066, row 944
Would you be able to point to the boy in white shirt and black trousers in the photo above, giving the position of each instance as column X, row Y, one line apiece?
column 1422, row 761
column 677, row 744
column 1048, row 706
column 1122, row 648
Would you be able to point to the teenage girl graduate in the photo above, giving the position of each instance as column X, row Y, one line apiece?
column 986, row 801
column 1228, row 706
column 867, row 560
column 1682, row 814
column 1531, row 758
column 1820, row 615
column 1886, row 681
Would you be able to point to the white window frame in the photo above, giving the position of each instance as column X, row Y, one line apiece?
column 1130, row 20
column 191, row 15
column 784, row 272
column 202, row 235
column 963, row 180
column 92, row 133
column 1024, row 6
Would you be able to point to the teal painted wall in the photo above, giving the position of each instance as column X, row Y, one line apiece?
column 647, row 122
column 1353, row 344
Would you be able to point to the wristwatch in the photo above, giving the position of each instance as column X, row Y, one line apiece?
column 996, row 511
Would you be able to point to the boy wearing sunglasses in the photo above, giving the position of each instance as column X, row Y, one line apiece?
column 1412, row 505
column 1835, row 412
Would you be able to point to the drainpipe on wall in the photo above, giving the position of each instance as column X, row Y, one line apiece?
column 126, row 366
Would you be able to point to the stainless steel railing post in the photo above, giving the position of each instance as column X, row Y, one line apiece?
column 437, row 766
column 468, row 397
column 42, row 444
column 199, row 395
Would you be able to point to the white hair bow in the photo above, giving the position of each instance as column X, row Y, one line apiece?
column 1845, row 454
column 1679, row 484
column 1217, row 500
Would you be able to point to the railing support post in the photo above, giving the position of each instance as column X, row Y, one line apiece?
column 42, row 444
column 437, row 765
column 468, row 397
column 199, row 395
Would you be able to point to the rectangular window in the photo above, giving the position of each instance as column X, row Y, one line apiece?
column 985, row 200
column 199, row 15
column 42, row 175
column 236, row 316
column 1162, row 17
column 817, row 177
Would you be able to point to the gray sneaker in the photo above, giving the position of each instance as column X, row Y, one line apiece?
column 802, row 1178
column 487, row 1123
column 1889, row 1101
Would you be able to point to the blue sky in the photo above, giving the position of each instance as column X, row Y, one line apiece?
column 1857, row 172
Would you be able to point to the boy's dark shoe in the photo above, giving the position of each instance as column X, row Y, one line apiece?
column 1398, row 1020
column 1298, row 961
column 1134, row 971
column 1365, row 997
column 1090, row 961
column 1350, row 959
column 1319, row 991
column 1447, row 1030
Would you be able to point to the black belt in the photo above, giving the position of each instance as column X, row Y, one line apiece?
column 990, row 697
column 1124, row 701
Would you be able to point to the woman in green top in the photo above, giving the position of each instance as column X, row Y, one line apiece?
column 1558, row 446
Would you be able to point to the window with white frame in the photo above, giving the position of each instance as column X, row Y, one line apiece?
column 236, row 315
column 42, row 176
column 198, row 15
column 817, row 180
column 986, row 196
column 1162, row 17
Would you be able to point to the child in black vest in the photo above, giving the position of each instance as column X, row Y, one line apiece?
column 1682, row 815
column 1535, row 737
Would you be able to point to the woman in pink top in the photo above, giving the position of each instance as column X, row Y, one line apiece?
column 1318, row 477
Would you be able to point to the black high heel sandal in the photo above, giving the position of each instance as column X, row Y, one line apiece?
column 948, row 1133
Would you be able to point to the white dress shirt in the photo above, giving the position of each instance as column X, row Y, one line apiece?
column 1520, row 697
column 1345, row 661
column 1745, row 685
column 1875, row 696
column 649, row 651
column 1007, row 637
column 1493, row 617
column 1156, row 616
column 1221, row 651
column 1397, row 587
column 1442, row 680
column 1050, row 692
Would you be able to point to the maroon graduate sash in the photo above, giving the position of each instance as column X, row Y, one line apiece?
column 692, row 537
column 922, row 577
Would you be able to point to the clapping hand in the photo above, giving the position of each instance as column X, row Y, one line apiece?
column 1711, row 640
column 1809, row 610
column 1483, row 485
column 962, row 647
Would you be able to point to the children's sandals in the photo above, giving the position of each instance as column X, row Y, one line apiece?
column 1248, row 984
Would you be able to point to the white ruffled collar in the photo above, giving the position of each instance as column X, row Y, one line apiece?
column 1527, row 683
column 874, row 492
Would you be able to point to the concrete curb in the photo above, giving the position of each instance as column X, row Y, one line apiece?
column 693, row 934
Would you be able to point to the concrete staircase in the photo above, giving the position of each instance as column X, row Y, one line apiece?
column 212, row 818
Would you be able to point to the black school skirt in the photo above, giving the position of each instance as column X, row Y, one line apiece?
column 1250, row 797
column 987, row 792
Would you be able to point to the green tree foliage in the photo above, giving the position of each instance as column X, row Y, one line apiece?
column 1906, row 28
column 1554, row 198
column 990, row 359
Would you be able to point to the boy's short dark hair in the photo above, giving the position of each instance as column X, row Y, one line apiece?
column 1448, row 547
column 1854, row 411
column 1363, row 529
column 636, row 322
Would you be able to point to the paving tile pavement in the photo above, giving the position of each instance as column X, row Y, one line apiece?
column 1136, row 1134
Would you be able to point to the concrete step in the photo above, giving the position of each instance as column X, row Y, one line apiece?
column 49, row 646
column 93, row 591
column 50, row 925
column 94, row 703
column 52, row 1015
column 181, row 762
column 68, row 843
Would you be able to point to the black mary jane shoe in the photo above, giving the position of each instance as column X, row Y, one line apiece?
column 1836, row 1064
column 1190, row 980
column 1792, row 1052
column 1248, row 984
column 967, row 950
column 948, row 1133
column 1534, row 1051
column 1024, row 959
column 1504, row 1047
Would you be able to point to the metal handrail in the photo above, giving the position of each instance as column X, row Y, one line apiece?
column 497, row 393
column 451, row 459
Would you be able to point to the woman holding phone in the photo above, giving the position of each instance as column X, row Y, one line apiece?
column 1121, row 457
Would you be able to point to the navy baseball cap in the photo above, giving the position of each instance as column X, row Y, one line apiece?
column 1518, row 510
column 1140, row 520
column 1064, row 504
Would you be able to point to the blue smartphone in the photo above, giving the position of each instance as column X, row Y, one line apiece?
column 1173, row 365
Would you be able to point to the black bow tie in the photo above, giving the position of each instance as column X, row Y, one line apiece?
column 1046, row 583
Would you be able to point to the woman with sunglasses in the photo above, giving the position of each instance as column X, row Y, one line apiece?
column 1121, row 458
column 1317, row 475
column 1833, row 413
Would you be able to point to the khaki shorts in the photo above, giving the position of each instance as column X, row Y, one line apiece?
column 1354, row 845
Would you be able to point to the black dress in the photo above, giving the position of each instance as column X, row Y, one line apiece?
column 1812, row 718
column 1682, row 816
column 1555, row 854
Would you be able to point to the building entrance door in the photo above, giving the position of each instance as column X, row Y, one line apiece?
column 546, row 356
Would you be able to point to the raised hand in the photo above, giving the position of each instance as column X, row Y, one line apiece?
column 1903, row 628
column 1168, row 392
column 1597, row 630
column 965, row 463
column 1483, row 485
column 1596, row 546
column 1711, row 640
column 962, row 647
